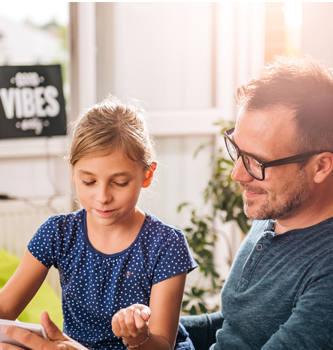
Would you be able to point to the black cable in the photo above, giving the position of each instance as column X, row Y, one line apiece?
column 6, row 197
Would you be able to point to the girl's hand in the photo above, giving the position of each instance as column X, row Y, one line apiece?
column 131, row 323
column 57, row 340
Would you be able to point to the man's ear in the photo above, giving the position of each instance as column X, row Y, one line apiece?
column 72, row 170
column 324, row 167
column 149, row 175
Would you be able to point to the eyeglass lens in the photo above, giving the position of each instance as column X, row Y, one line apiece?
column 251, row 164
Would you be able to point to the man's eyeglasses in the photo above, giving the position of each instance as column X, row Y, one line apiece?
column 255, row 166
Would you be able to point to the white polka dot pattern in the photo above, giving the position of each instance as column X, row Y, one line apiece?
column 95, row 285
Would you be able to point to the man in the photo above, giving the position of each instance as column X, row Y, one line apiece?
column 278, row 294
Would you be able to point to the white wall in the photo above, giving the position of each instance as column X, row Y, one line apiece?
column 317, row 29
column 163, row 54
column 180, row 177
column 34, row 168
column 183, row 62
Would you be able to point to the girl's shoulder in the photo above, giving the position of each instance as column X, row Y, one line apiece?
column 155, row 222
column 167, row 249
column 63, row 221
column 58, row 237
column 155, row 227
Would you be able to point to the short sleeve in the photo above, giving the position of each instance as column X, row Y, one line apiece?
column 173, row 257
column 44, row 244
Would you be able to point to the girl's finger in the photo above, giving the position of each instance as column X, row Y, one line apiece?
column 145, row 310
column 130, row 323
column 30, row 340
column 115, row 326
column 145, row 315
column 122, row 323
column 52, row 331
column 6, row 346
column 140, row 323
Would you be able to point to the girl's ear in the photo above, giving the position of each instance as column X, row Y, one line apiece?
column 72, row 170
column 149, row 175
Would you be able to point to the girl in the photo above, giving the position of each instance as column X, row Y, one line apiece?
column 110, row 254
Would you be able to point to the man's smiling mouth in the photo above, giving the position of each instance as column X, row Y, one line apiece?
column 252, row 192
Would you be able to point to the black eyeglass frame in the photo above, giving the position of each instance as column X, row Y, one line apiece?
column 289, row 160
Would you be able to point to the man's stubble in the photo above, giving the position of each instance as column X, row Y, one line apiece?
column 282, row 203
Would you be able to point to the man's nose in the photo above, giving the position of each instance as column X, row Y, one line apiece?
column 240, row 174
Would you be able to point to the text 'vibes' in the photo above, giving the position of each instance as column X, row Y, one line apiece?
column 29, row 102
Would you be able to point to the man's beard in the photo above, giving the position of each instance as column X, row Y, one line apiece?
column 281, row 204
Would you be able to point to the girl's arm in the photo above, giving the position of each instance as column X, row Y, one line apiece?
column 22, row 286
column 165, row 303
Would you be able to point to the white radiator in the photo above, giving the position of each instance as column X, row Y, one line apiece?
column 19, row 221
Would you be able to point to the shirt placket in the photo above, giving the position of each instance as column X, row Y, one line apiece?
column 258, row 251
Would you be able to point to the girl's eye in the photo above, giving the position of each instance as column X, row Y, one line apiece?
column 88, row 183
column 121, row 184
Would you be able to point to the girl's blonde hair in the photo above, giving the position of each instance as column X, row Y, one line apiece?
column 111, row 125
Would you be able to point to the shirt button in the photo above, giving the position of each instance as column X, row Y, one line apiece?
column 249, row 262
column 259, row 246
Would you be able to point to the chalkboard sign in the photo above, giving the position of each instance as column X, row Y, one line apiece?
column 31, row 102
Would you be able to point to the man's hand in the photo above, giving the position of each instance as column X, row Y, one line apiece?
column 131, row 323
column 57, row 340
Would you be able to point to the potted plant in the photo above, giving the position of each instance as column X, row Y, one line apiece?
column 224, row 196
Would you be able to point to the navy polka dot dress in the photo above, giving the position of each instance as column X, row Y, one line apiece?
column 96, row 285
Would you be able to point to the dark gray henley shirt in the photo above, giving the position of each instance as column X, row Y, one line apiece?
column 278, row 295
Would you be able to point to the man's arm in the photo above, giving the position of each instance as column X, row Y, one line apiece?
column 202, row 328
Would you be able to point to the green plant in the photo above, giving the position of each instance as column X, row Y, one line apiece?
column 224, row 196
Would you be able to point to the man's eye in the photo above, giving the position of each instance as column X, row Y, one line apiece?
column 88, row 183
column 121, row 184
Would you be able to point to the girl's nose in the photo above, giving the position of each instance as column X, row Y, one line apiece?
column 240, row 174
column 104, row 195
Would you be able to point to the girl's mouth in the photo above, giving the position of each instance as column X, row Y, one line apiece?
column 104, row 212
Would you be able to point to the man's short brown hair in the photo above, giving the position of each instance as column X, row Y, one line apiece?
column 303, row 84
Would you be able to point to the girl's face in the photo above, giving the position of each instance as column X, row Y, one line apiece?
column 108, row 186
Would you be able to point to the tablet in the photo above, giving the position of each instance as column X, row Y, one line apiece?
column 32, row 327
